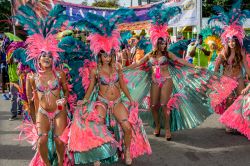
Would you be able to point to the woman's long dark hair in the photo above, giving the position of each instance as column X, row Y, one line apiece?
column 238, row 56
column 159, row 41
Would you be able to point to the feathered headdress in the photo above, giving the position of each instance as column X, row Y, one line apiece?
column 74, row 55
column 104, row 35
column 179, row 47
column 12, row 47
column 160, row 17
column 210, row 36
column 125, row 36
column 41, row 31
column 232, row 21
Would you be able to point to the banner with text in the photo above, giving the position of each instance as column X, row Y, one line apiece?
column 187, row 18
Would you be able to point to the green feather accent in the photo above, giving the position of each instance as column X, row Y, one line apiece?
column 205, row 32
column 119, row 16
column 178, row 47
column 84, row 24
column 234, row 15
column 50, row 25
column 28, row 12
column 20, row 54
column 161, row 15
column 55, row 19
column 98, row 21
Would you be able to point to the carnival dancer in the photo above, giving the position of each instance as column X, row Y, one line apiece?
column 237, row 116
column 123, row 55
column 198, row 52
column 16, row 107
column 215, row 45
column 45, row 86
column 104, row 104
column 176, row 84
column 23, row 69
column 233, row 56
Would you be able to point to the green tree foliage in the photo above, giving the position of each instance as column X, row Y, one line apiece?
column 6, row 20
column 5, row 16
column 107, row 3
column 84, row 3
column 207, row 5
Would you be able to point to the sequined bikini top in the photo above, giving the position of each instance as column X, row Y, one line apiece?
column 104, row 80
column 158, row 61
column 52, row 85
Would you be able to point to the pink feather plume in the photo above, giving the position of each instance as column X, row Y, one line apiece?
column 233, row 30
column 157, row 31
column 84, row 72
column 174, row 102
column 105, row 43
column 28, row 132
column 36, row 44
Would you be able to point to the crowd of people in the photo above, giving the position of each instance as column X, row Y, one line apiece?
column 85, row 96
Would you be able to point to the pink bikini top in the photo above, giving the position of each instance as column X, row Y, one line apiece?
column 158, row 61
column 104, row 80
column 52, row 85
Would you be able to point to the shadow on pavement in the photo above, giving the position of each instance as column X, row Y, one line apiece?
column 209, row 138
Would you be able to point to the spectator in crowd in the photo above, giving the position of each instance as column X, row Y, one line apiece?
column 199, row 53
column 13, row 77
column 4, row 42
column 123, row 56
column 188, row 57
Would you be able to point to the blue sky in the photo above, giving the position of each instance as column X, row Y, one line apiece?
column 123, row 2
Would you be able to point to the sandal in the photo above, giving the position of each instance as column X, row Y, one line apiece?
column 168, row 135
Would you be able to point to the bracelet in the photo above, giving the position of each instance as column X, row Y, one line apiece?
column 85, row 101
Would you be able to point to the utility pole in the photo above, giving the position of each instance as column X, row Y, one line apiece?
column 131, row 3
column 199, row 15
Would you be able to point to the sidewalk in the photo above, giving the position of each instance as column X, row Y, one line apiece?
column 11, row 152
column 207, row 145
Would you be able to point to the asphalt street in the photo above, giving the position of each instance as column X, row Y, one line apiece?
column 207, row 145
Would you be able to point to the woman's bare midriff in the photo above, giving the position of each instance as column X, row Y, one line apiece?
column 49, row 104
column 234, row 72
column 164, row 71
column 110, row 92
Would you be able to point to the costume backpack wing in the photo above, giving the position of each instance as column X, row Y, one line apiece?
column 145, row 45
column 246, row 45
column 73, row 57
column 41, row 31
column 179, row 47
